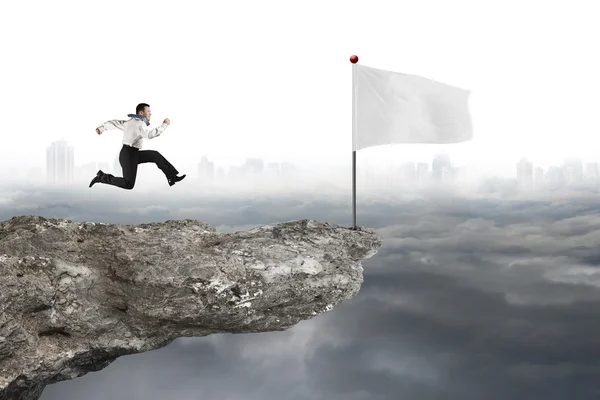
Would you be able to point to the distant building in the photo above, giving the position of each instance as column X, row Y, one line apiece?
column 591, row 171
column 221, row 175
column 206, row 170
column 288, row 170
column 254, row 166
column 273, row 170
column 60, row 166
column 555, row 175
column 409, row 172
column 538, row 175
column 441, row 168
column 235, row 173
column 525, row 172
column 422, row 172
column 573, row 170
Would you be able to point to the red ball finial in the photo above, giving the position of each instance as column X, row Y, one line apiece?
column 354, row 59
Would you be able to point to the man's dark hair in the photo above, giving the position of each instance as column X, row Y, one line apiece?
column 141, row 107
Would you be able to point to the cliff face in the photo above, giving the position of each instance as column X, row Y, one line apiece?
column 76, row 296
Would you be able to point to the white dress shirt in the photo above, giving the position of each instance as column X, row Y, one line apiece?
column 134, row 130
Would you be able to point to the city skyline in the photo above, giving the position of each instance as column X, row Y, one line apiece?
column 60, row 168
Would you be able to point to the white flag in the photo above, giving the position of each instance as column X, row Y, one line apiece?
column 391, row 107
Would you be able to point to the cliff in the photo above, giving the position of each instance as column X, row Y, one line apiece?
column 75, row 296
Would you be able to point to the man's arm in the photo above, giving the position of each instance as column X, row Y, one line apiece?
column 152, row 133
column 112, row 124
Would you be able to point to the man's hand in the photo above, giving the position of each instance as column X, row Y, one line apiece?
column 98, row 131
column 167, row 121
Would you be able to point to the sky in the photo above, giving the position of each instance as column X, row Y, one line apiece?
column 273, row 79
column 468, row 298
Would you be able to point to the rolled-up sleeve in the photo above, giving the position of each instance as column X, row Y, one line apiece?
column 152, row 133
column 112, row 124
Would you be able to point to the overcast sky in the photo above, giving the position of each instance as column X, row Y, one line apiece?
column 469, row 298
column 273, row 79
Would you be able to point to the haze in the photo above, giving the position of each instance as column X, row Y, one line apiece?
column 272, row 79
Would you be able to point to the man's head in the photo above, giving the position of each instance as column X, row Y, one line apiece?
column 143, row 109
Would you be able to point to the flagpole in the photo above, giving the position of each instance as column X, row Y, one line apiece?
column 353, row 60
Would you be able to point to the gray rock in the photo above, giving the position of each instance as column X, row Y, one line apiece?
column 76, row 296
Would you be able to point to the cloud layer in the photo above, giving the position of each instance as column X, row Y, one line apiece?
column 470, row 297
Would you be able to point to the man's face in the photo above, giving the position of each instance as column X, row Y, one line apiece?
column 146, row 113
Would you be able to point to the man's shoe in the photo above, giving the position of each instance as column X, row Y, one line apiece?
column 97, row 178
column 175, row 179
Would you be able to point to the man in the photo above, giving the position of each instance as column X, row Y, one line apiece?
column 135, row 130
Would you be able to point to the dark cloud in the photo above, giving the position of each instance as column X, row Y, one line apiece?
column 470, row 297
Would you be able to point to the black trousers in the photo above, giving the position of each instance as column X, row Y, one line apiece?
column 129, row 158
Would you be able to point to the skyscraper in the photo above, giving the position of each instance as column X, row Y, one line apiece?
column 591, row 171
column 441, row 168
column 60, row 163
column 539, row 175
column 525, row 172
column 422, row 172
column 573, row 170
column 221, row 175
column 555, row 175
column 254, row 166
column 206, row 170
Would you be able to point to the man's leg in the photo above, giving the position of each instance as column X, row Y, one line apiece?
column 146, row 156
column 129, row 159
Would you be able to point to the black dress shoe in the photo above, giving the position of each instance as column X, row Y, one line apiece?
column 96, row 178
column 175, row 179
